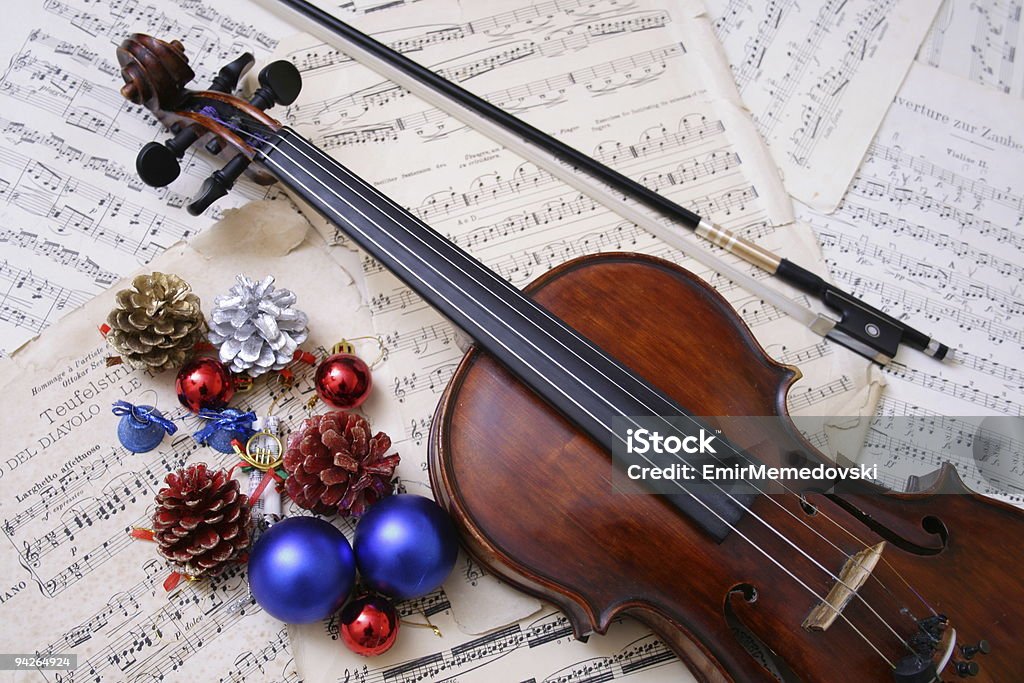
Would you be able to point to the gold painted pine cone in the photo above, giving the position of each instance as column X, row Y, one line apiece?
column 156, row 322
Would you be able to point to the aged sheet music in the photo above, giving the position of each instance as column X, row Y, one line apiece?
column 645, row 114
column 692, row 146
column 930, row 230
column 74, row 581
column 818, row 77
column 980, row 40
column 75, row 493
column 539, row 648
column 642, row 87
column 74, row 216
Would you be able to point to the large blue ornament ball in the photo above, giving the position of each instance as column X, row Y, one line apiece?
column 301, row 570
column 405, row 546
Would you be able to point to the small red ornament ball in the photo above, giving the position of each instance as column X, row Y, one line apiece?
column 343, row 381
column 369, row 625
column 204, row 383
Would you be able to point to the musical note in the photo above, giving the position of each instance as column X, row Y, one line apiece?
column 328, row 119
column 929, row 229
column 818, row 79
column 980, row 40
column 604, row 22
column 531, row 645
column 72, row 201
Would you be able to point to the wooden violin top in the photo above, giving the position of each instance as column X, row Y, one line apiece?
column 534, row 498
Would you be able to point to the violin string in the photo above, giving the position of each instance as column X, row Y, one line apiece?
column 897, row 572
column 789, row 490
column 838, row 579
column 786, row 510
column 753, row 514
column 839, row 613
column 581, row 340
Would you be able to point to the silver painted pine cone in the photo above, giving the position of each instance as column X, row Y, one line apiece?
column 256, row 326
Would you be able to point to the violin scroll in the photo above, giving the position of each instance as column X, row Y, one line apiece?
column 156, row 75
column 155, row 72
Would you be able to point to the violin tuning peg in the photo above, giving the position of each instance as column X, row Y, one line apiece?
column 228, row 77
column 218, row 184
column 157, row 165
column 280, row 83
column 182, row 141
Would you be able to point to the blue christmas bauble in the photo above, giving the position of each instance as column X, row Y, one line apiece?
column 301, row 570
column 222, row 438
column 405, row 546
column 140, row 435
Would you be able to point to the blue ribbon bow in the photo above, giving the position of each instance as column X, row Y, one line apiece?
column 145, row 415
column 230, row 419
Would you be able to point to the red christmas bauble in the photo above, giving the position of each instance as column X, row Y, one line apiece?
column 204, row 383
column 369, row 625
column 343, row 381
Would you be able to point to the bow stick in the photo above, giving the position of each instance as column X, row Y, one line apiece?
column 860, row 326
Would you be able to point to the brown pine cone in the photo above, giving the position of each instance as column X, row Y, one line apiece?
column 201, row 521
column 156, row 322
column 334, row 465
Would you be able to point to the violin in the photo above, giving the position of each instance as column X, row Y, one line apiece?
column 810, row 583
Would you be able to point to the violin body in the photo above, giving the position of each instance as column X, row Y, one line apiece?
column 533, row 498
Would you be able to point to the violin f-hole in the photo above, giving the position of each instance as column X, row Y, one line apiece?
column 932, row 541
column 753, row 645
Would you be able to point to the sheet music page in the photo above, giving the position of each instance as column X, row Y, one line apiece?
column 981, row 40
column 519, row 220
column 930, row 231
column 641, row 86
column 74, row 580
column 74, row 215
column 818, row 77
column 540, row 648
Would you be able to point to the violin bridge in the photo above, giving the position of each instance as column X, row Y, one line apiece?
column 853, row 575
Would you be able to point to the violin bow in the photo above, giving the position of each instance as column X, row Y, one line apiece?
column 860, row 327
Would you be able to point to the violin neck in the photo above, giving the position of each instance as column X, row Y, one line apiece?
column 496, row 315
column 586, row 385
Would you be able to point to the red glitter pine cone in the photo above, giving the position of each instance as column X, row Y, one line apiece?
column 335, row 466
column 202, row 520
